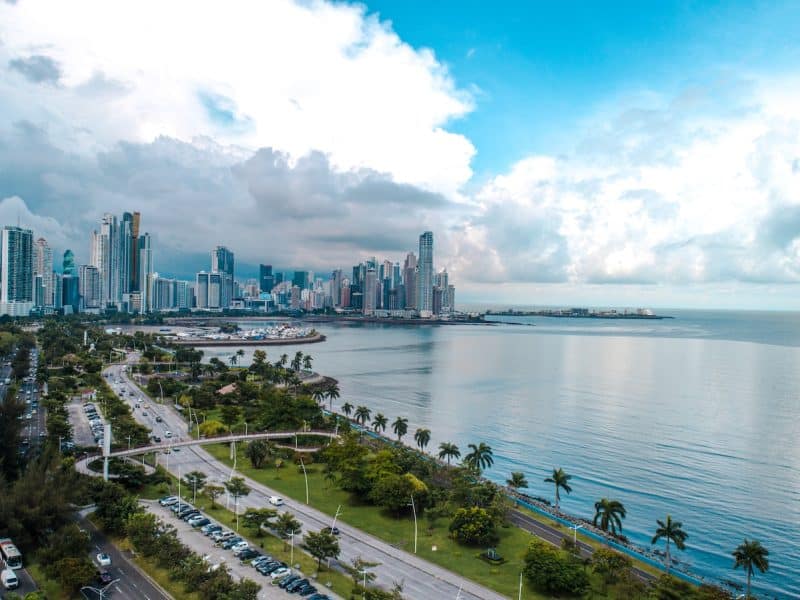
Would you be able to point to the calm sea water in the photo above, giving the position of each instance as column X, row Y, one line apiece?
column 697, row 416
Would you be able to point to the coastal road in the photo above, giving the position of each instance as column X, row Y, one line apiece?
column 132, row 584
column 420, row 579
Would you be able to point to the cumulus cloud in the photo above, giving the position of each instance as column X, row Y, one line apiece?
column 296, row 76
column 37, row 68
column 680, row 192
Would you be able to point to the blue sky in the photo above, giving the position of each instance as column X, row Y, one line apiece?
column 544, row 67
column 562, row 153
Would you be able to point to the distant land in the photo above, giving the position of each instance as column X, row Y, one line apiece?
column 579, row 313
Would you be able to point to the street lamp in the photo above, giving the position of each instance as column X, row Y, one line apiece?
column 305, row 475
column 363, row 571
column 101, row 592
column 129, row 442
column 575, row 533
column 291, row 555
column 520, row 585
column 414, row 509
column 336, row 516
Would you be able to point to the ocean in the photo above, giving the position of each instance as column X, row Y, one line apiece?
column 696, row 416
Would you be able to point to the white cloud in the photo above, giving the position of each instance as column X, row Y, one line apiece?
column 288, row 75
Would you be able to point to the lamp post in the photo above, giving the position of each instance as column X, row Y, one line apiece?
column 291, row 555
column 575, row 533
column 305, row 476
column 520, row 586
column 162, row 391
column 414, row 509
column 129, row 442
column 336, row 516
column 363, row 571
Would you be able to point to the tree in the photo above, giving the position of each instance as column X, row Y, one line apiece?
column 322, row 545
column 229, row 414
column 392, row 491
column 422, row 437
column 257, row 453
column 211, row 427
column 379, row 422
column 195, row 480
column 480, row 458
column 347, row 408
column 548, row 571
column 670, row 531
column 400, row 427
column 297, row 361
column 448, row 450
column 333, row 394
column 611, row 565
column 255, row 518
column 319, row 395
column 286, row 524
column 561, row 480
column 750, row 555
column 233, row 359
column 362, row 415
column 74, row 572
column 473, row 525
column 237, row 488
column 610, row 514
column 307, row 362
column 214, row 492
column 517, row 480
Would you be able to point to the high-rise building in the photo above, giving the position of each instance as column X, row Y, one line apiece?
column 336, row 287
column 301, row 279
column 43, row 267
column 70, row 294
column 410, row 280
column 222, row 262
column 370, row 291
column 135, row 284
column 89, row 287
column 266, row 281
column 16, row 271
column 68, row 263
column 425, row 275
column 209, row 290
column 103, row 256
column 126, row 251
column 145, row 276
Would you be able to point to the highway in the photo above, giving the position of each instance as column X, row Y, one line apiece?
column 420, row 579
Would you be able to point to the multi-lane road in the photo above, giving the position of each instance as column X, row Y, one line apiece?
column 420, row 579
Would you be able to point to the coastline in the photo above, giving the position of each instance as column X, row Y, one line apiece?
column 313, row 339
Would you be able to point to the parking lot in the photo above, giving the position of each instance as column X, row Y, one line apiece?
column 205, row 546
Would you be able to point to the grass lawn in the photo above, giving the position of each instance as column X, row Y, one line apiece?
column 434, row 543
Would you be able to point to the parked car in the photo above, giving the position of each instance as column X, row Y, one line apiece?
column 280, row 572
column 211, row 528
column 189, row 515
column 288, row 581
column 263, row 558
column 307, row 590
column 168, row 500
column 296, row 585
column 199, row 522
column 248, row 554
column 231, row 542
column 221, row 536
column 239, row 548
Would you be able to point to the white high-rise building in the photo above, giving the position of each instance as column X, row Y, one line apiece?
column 43, row 267
column 425, row 275
column 145, row 278
column 16, row 271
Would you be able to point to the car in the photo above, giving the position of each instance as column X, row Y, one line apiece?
column 307, row 590
column 263, row 558
column 265, row 568
column 276, row 500
column 188, row 515
column 104, row 577
column 168, row 500
column 159, row 419
column 136, row 405
column 288, row 581
column 280, row 572
column 221, row 536
column 199, row 522
column 239, row 548
column 296, row 585
column 144, row 414
column 230, row 543
column 104, row 560
column 248, row 554
column 334, row 530
column 146, row 405
column 156, row 439
column 167, row 433
column 196, row 517
column 210, row 528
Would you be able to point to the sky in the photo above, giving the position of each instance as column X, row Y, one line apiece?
column 581, row 153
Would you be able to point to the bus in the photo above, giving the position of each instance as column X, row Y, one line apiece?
column 10, row 555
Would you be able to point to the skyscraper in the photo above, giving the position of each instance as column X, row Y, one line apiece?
column 336, row 287
column 370, row 291
column 410, row 280
column 265, row 279
column 43, row 267
column 89, row 286
column 144, row 263
column 103, row 255
column 68, row 262
column 425, row 275
column 222, row 262
column 16, row 271
column 135, row 284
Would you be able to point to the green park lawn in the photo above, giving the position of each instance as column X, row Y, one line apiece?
column 434, row 543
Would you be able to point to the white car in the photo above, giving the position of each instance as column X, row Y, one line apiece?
column 276, row 500
column 104, row 560
column 278, row 573
column 168, row 433
column 240, row 547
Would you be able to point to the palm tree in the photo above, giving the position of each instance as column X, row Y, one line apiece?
column 297, row 361
column 448, row 450
column 347, row 408
column 318, row 395
column 422, row 437
column 379, row 423
column 240, row 353
column 517, row 480
column 751, row 554
column 561, row 481
column 307, row 362
column 362, row 415
column 480, row 458
column 610, row 514
column 333, row 394
column 283, row 360
column 233, row 359
column 400, row 427
column 671, row 531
